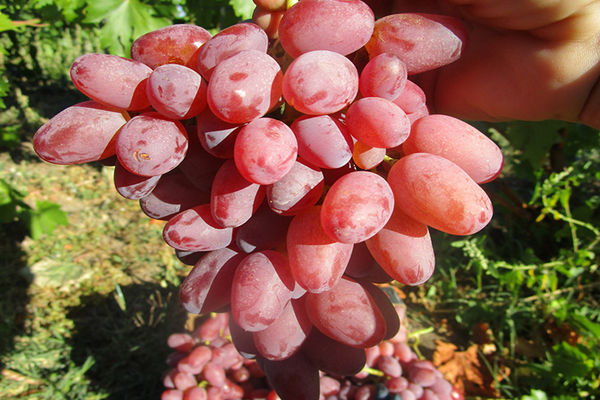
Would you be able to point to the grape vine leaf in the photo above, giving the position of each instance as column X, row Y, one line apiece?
column 5, row 22
column 45, row 218
column 124, row 21
column 534, row 139
column 243, row 8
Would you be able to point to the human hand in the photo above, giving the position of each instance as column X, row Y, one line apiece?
column 525, row 59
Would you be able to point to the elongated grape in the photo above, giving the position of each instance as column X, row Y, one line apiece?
column 80, row 133
column 261, row 288
column 207, row 287
column 323, row 140
column 411, row 99
column 459, row 142
column 320, row 82
column 423, row 42
column 263, row 231
column 347, row 313
column 132, row 186
column 196, row 230
column 334, row 25
column 404, row 250
column 377, row 122
column 174, row 44
column 265, row 151
column 284, row 337
column 115, row 81
column 233, row 198
column 438, row 193
column 230, row 41
column 150, row 144
column 356, row 207
column 199, row 166
column 317, row 261
column 361, row 261
column 217, row 136
column 385, row 306
column 173, row 193
column 298, row 190
column 331, row 356
column 384, row 76
column 177, row 92
column 244, row 87
column 367, row 157
column 294, row 378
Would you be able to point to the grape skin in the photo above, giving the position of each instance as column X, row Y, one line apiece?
column 356, row 207
column 339, row 26
column 438, row 193
column 320, row 82
column 111, row 80
column 80, row 133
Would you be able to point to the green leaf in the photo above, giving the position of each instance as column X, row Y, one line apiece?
column 536, row 395
column 124, row 21
column 582, row 323
column 46, row 218
column 534, row 139
column 52, row 273
column 243, row 8
column 5, row 22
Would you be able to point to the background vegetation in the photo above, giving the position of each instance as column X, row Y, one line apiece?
column 88, row 290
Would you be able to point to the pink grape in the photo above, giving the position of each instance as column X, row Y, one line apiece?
column 207, row 287
column 226, row 356
column 458, row 142
column 373, row 355
column 389, row 366
column 411, row 99
column 213, row 327
column 329, row 386
column 377, row 122
column 317, row 261
column 132, row 186
column 421, row 41
column 298, row 190
column 397, row 384
column 183, row 381
column 233, row 198
column 172, row 394
column 403, row 248
column 323, row 140
column 244, row 87
column 173, row 194
column 80, row 133
column 438, row 193
column 263, row 231
column 356, row 207
column 195, row 393
column 111, row 80
column 177, row 92
column 265, row 151
column 262, row 286
column 217, row 136
column 384, row 76
column 339, row 26
column 347, row 313
column 214, row 374
column 320, row 82
column 199, row 165
column 195, row 360
column 174, row 44
column 268, row 20
column 150, row 144
column 228, row 42
column 294, row 378
column 367, row 157
column 196, row 230
column 284, row 336
column 180, row 341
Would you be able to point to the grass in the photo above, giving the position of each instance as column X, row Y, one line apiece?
column 86, row 311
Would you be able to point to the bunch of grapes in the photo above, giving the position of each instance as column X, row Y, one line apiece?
column 205, row 365
column 296, row 166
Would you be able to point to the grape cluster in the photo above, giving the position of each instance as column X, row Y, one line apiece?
column 205, row 365
column 296, row 167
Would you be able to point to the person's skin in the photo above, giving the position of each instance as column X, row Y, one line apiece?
column 525, row 59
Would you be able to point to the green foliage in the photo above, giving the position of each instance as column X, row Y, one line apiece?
column 41, row 220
